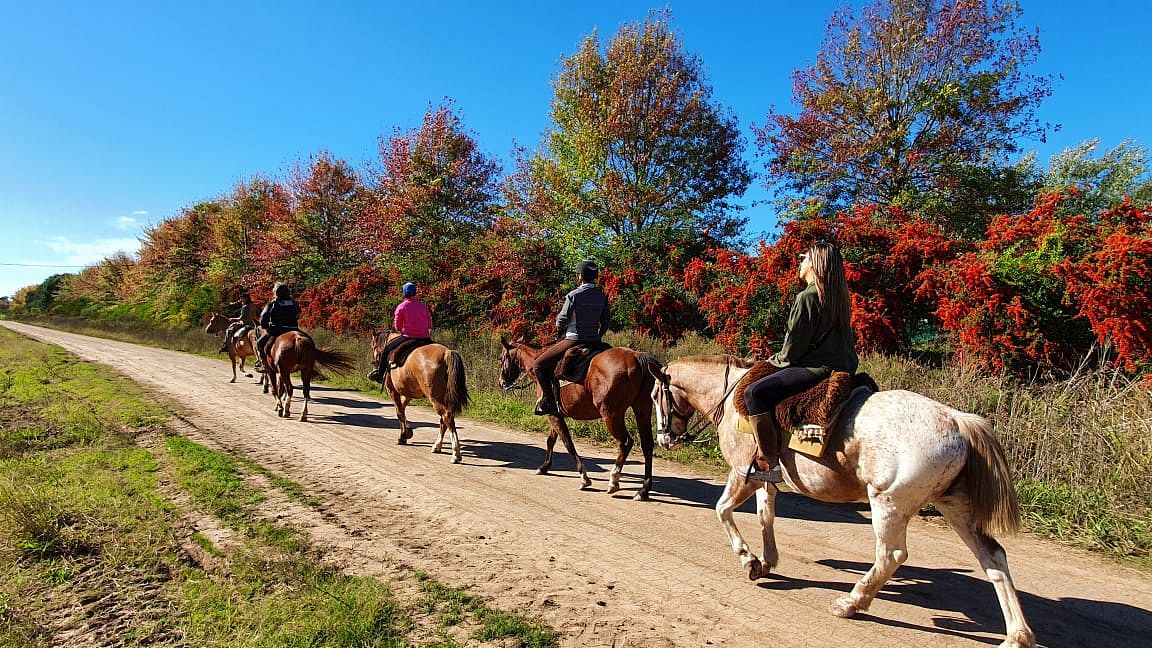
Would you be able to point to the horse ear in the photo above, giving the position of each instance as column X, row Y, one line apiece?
column 504, row 341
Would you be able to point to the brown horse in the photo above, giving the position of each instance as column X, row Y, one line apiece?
column 215, row 324
column 433, row 372
column 618, row 379
column 296, row 351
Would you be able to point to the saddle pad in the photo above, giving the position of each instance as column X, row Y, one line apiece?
column 815, row 406
column 573, row 367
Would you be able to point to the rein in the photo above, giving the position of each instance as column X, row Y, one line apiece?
column 714, row 416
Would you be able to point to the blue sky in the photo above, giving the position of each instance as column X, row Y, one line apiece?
column 115, row 115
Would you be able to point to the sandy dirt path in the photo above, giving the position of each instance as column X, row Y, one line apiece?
column 606, row 570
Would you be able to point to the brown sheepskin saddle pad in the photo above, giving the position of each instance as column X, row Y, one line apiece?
column 573, row 367
column 816, row 406
column 398, row 355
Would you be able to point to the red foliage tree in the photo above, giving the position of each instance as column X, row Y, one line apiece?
column 1111, row 284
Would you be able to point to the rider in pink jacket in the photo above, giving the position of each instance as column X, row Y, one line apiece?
column 413, row 321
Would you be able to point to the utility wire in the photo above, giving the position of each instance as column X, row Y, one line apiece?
column 40, row 265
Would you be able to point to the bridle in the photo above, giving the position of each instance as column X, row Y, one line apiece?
column 714, row 416
column 527, row 382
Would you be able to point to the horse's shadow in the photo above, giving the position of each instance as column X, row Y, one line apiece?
column 966, row 603
column 347, row 402
column 511, row 454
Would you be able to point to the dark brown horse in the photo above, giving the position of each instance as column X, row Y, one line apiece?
column 434, row 372
column 618, row 379
column 295, row 351
column 215, row 324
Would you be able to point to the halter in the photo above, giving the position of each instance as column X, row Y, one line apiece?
column 524, row 374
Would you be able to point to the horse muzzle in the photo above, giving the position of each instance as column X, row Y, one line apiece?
column 666, row 441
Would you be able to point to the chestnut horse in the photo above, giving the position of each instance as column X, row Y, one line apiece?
column 215, row 324
column 295, row 351
column 895, row 449
column 618, row 379
column 433, row 372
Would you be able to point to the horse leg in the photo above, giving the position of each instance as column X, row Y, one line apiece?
column 232, row 357
column 450, row 423
column 890, row 524
column 647, row 445
column 401, row 403
column 285, row 383
column 737, row 490
column 560, row 426
column 549, row 446
column 619, row 431
column 992, row 558
column 305, row 384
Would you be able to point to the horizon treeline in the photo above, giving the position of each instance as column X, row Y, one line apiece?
column 904, row 151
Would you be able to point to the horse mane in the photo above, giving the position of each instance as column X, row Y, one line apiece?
column 722, row 359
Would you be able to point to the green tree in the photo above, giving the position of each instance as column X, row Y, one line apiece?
column 637, row 146
column 916, row 103
column 1100, row 182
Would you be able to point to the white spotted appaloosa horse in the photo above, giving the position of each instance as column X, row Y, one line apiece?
column 897, row 450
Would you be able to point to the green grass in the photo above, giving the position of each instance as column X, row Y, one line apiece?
column 87, row 537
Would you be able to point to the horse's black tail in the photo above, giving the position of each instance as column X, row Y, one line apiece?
column 456, row 392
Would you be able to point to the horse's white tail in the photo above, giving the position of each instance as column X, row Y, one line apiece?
column 994, row 508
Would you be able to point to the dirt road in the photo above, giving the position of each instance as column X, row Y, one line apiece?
column 606, row 570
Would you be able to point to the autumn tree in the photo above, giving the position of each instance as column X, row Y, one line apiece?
column 311, row 232
column 915, row 103
column 174, row 257
column 434, row 191
column 237, row 230
column 636, row 144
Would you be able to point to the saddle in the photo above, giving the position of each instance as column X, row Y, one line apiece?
column 573, row 367
column 810, row 414
column 398, row 355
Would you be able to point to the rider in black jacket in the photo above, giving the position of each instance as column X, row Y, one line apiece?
column 279, row 316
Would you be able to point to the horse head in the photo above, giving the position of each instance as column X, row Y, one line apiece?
column 379, row 339
column 214, row 323
column 511, row 364
column 672, row 411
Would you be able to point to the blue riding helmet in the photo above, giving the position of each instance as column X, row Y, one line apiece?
column 408, row 290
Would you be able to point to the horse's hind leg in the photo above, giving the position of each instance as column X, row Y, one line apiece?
column 890, row 524
column 737, row 491
column 232, row 357
column 992, row 558
column 619, row 431
column 305, row 385
column 285, row 384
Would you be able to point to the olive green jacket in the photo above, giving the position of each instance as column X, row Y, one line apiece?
column 811, row 341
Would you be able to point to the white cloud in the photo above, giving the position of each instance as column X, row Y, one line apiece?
column 88, row 252
column 140, row 212
column 126, row 223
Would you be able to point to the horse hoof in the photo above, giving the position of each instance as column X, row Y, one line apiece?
column 403, row 440
column 586, row 481
column 613, row 488
column 232, row 381
column 642, row 496
column 755, row 569
column 247, row 375
column 303, row 419
column 541, row 471
column 843, row 608
column 455, row 460
column 436, row 450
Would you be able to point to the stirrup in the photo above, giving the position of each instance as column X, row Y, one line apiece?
column 773, row 475
column 546, row 408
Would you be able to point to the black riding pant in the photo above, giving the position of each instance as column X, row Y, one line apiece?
column 765, row 394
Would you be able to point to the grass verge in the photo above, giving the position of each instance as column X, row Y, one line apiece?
column 94, row 551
